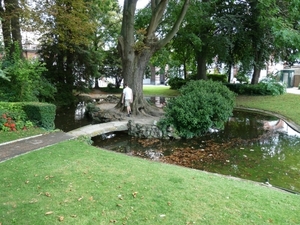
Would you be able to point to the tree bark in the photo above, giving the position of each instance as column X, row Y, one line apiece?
column 256, row 75
column 6, row 29
column 135, row 54
column 201, row 66
column 256, row 67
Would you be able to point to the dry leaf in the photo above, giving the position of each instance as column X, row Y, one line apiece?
column 49, row 213
column 47, row 194
column 73, row 216
column 112, row 221
column 60, row 218
column 134, row 194
column 80, row 198
column 27, row 181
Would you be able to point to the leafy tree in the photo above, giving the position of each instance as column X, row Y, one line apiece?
column 137, row 45
column 11, row 28
column 111, row 66
column 71, row 43
column 260, row 31
column 26, row 82
column 108, row 19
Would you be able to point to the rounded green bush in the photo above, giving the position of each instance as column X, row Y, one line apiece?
column 201, row 105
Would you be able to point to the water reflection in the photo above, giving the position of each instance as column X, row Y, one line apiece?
column 80, row 111
column 243, row 149
column 70, row 118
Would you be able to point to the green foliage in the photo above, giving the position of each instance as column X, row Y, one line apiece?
column 13, row 117
column 217, row 77
column 26, row 82
column 267, row 86
column 200, row 106
column 3, row 75
column 243, row 75
column 176, row 82
column 85, row 139
column 41, row 114
column 111, row 86
column 28, row 114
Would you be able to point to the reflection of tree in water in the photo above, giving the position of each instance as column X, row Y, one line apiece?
column 80, row 111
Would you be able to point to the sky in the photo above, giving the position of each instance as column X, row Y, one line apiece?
column 140, row 4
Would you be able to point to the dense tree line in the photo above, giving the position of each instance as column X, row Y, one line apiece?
column 83, row 40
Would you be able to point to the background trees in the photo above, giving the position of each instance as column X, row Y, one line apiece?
column 79, row 38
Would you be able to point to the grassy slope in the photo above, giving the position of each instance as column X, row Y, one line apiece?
column 286, row 105
column 86, row 185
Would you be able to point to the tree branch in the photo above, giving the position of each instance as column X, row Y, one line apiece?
column 176, row 26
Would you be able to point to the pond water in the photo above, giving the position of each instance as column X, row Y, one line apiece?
column 252, row 146
column 248, row 147
column 71, row 118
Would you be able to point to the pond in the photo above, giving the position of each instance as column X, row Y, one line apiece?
column 71, row 118
column 247, row 148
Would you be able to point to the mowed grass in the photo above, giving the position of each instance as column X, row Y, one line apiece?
column 159, row 90
column 74, row 183
column 14, row 135
column 287, row 105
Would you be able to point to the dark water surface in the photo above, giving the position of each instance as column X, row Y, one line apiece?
column 243, row 149
column 71, row 118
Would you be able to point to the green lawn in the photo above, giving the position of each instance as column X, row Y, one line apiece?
column 73, row 183
column 287, row 105
column 14, row 135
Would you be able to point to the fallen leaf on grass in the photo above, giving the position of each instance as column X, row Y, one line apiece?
column 60, row 218
column 134, row 194
column 49, row 213
column 48, row 194
column 80, row 199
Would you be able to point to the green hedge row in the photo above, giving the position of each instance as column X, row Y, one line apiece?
column 40, row 114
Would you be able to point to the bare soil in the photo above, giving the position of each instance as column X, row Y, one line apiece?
column 98, row 94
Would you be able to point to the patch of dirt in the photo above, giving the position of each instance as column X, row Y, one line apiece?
column 101, row 102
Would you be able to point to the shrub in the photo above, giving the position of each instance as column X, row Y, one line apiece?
column 217, row 77
column 41, row 114
column 25, row 82
column 176, row 82
column 200, row 106
column 268, row 86
column 13, row 117
column 19, row 115
column 111, row 86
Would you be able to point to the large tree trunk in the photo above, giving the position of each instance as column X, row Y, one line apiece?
column 201, row 66
column 257, row 68
column 6, row 31
column 256, row 75
column 152, row 70
column 135, row 54
column 11, row 26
